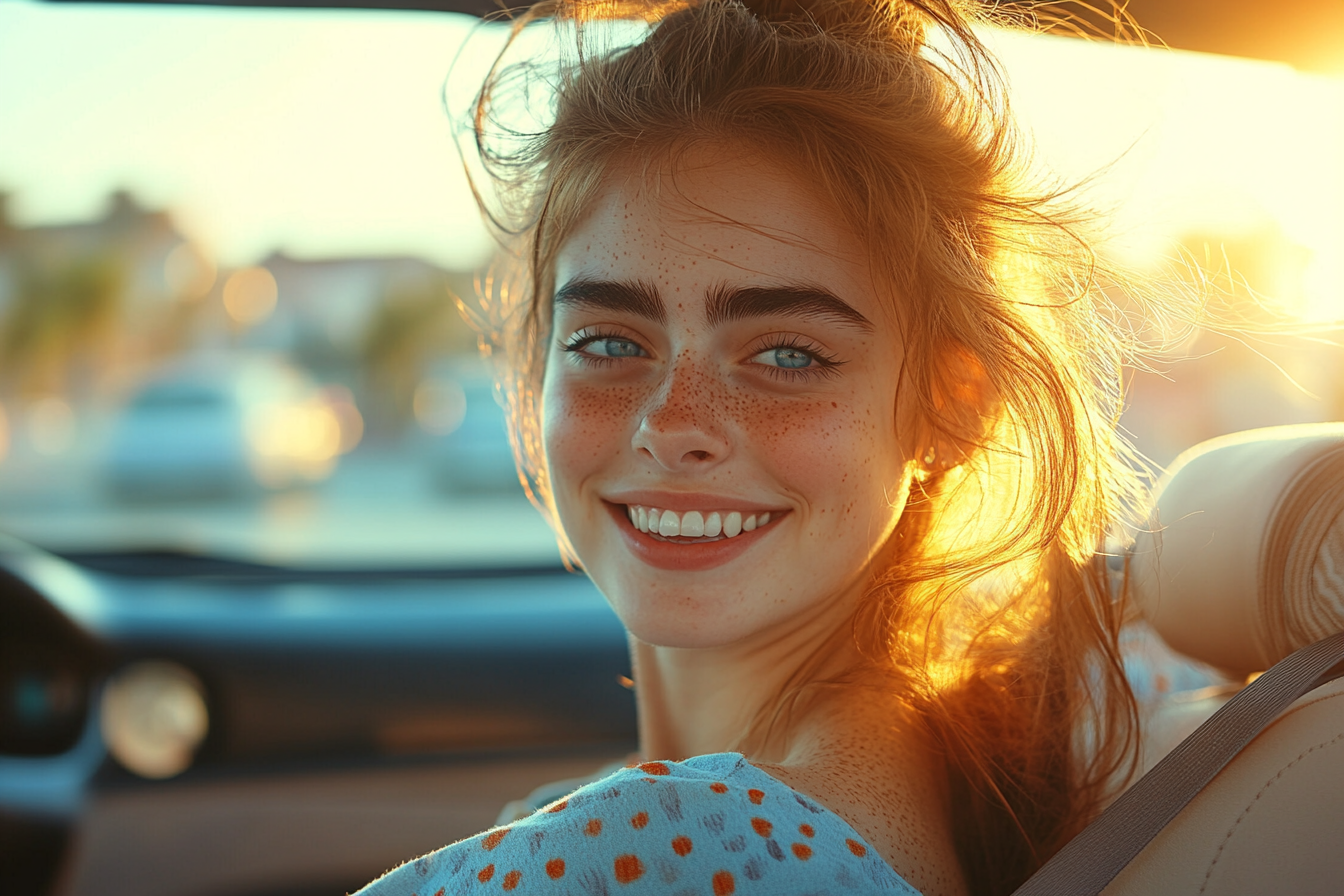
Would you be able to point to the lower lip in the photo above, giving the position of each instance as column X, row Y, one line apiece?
column 689, row 557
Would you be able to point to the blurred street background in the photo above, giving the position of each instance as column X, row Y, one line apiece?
column 231, row 242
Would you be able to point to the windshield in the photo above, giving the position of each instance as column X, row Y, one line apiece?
column 230, row 241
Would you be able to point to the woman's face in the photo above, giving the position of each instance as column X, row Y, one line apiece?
column 718, row 355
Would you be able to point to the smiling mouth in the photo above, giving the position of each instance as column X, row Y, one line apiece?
column 695, row 526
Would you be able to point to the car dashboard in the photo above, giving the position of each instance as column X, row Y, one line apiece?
column 342, row 722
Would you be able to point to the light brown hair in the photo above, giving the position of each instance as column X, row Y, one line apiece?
column 995, row 611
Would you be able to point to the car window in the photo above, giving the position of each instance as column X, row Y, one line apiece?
column 230, row 242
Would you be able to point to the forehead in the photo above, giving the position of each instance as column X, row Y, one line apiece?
column 715, row 218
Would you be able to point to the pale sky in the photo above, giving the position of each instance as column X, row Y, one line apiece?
column 323, row 132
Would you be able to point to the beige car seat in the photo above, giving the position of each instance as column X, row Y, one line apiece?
column 1244, row 564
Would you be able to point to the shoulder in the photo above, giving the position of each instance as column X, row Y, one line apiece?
column 711, row 825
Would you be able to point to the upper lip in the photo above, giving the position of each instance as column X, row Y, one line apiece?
column 683, row 501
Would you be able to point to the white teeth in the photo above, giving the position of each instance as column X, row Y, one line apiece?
column 732, row 524
column 669, row 524
column 694, row 523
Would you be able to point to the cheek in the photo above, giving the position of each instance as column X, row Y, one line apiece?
column 840, row 455
column 583, row 427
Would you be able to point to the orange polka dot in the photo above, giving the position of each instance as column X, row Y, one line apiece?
column 856, row 847
column 806, row 830
column 486, row 873
column 492, row 839
column 724, row 884
column 594, row 827
column 639, row 820
column 511, row 879
column 756, row 796
column 762, row 827
column 802, row 851
column 555, row 869
column 655, row 768
column 681, row 845
column 719, row 787
column 650, row 780
column 628, row 868
column 558, row 806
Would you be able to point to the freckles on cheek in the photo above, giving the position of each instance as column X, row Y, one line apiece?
column 584, row 425
column 822, row 441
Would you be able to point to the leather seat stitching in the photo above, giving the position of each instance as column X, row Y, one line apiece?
column 1246, row 811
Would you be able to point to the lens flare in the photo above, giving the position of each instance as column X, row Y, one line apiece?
column 250, row 296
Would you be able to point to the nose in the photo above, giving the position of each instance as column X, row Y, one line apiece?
column 682, row 425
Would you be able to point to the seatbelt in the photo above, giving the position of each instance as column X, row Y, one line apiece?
column 1091, row 860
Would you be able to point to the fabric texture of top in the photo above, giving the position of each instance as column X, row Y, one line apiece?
column 709, row 826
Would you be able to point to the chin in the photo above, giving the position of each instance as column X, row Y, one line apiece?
column 680, row 622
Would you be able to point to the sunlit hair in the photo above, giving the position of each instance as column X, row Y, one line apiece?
column 992, row 608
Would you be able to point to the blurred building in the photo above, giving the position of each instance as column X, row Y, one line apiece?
column 85, row 306
column 81, row 299
column 90, row 311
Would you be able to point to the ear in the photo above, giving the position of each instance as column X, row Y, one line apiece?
column 950, row 419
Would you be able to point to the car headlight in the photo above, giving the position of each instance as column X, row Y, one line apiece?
column 154, row 718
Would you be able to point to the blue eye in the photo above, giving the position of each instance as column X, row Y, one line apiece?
column 597, row 348
column 792, row 358
column 614, row 348
column 795, row 359
column 786, row 357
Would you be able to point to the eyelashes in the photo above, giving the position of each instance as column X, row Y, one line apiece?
column 613, row 347
column 785, row 357
column 795, row 358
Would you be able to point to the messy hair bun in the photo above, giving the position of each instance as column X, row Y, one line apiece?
column 993, row 615
column 904, row 23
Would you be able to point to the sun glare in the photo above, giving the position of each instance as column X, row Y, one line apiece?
column 1185, row 150
column 323, row 133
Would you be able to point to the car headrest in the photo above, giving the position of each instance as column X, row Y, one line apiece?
column 1243, row 559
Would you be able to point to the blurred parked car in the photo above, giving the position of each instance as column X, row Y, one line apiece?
column 469, row 450
column 220, row 429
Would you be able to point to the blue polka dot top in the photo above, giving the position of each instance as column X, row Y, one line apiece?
column 710, row 826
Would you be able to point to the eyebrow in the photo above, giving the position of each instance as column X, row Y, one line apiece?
column 632, row 297
column 723, row 304
column 736, row 303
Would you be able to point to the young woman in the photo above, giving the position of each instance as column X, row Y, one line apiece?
column 822, row 396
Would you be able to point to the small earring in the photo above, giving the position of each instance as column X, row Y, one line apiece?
column 930, row 456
